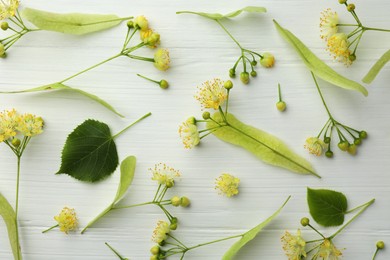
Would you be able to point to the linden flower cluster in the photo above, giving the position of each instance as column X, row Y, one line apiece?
column 67, row 220
column 8, row 8
column 294, row 246
column 227, row 185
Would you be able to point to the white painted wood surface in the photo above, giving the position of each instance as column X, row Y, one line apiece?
column 199, row 51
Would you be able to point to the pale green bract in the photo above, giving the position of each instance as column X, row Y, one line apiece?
column 71, row 23
column 127, row 176
column 9, row 217
column 217, row 16
column 376, row 68
column 317, row 66
column 265, row 146
column 250, row 235
column 60, row 86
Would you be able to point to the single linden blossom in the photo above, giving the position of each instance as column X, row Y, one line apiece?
column 227, row 184
column 161, row 232
column 141, row 22
column 294, row 246
column 8, row 8
column 212, row 94
column 8, row 124
column 327, row 251
column 338, row 46
column 164, row 174
column 161, row 59
column 315, row 145
column 328, row 23
column 67, row 220
column 268, row 60
column 189, row 135
column 30, row 125
column 150, row 37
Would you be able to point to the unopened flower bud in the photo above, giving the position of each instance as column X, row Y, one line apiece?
column 305, row 222
column 380, row 244
column 228, row 84
column 130, row 24
column 232, row 73
column 253, row 73
column 244, row 77
column 185, row 202
column 350, row 7
column 162, row 243
column 268, row 60
column 2, row 49
column 327, row 140
column 141, row 22
column 164, row 84
column 342, row 1
column 352, row 149
column 175, row 201
column 329, row 154
column 174, row 220
column 343, row 145
column 352, row 57
column 170, row 183
column 206, row 115
column 254, row 63
column 191, row 120
column 155, row 250
column 154, row 257
column 4, row 26
column 363, row 134
column 153, row 40
column 357, row 141
column 173, row 226
column 281, row 106
column 15, row 142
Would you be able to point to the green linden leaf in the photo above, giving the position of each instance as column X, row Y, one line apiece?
column 90, row 152
column 250, row 235
column 60, row 86
column 72, row 23
column 377, row 67
column 265, row 146
column 327, row 207
column 317, row 66
column 9, row 217
column 127, row 176
column 217, row 16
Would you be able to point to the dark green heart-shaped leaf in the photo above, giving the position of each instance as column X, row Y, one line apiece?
column 327, row 207
column 89, row 153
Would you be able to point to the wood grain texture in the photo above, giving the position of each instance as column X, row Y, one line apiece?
column 199, row 51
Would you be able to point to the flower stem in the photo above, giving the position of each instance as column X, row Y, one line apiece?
column 138, row 120
column 155, row 81
column 50, row 228
column 279, row 92
column 112, row 20
column 230, row 35
column 214, row 241
column 318, row 232
column 375, row 29
column 134, row 205
column 17, row 204
column 140, row 58
column 114, row 251
column 376, row 252
column 322, row 97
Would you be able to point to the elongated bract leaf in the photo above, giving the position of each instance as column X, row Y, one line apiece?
column 217, row 16
column 9, row 217
column 377, row 67
column 265, row 146
column 127, row 175
column 90, row 152
column 317, row 66
column 60, row 86
column 251, row 234
column 71, row 23
column 327, row 207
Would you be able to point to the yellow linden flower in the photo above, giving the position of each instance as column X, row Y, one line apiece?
column 30, row 125
column 8, row 8
column 227, row 184
column 315, row 145
column 212, row 94
column 189, row 134
column 161, row 59
column 67, row 220
column 268, row 60
column 141, row 22
column 161, row 231
column 294, row 246
column 150, row 37
column 164, row 174
column 338, row 46
column 327, row 251
column 8, row 123
column 328, row 23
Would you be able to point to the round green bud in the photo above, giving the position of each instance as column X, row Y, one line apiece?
column 164, row 84
column 305, row 222
column 232, row 73
column 363, row 134
column 352, row 149
column 343, row 145
column 174, row 220
column 154, row 257
column 130, row 24
column 4, row 26
column 380, row 244
column 350, row 7
column 244, row 77
column 185, row 202
column 327, row 140
column 342, row 1
column 170, row 184
column 329, row 154
column 352, row 57
column 2, row 50
column 4, row 55
column 175, row 201
column 173, row 226
column 357, row 141
column 162, row 243
column 228, row 84
column 15, row 142
column 254, row 63
column 281, row 106
column 191, row 120
column 155, row 250
column 206, row 115
column 253, row 73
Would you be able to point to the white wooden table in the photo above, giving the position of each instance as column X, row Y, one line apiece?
column 199, row 51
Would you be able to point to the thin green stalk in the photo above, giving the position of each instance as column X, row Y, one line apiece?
column 112, row 20
column 358, row 41
column 115, row 252
column 279, row 93
column 376, row 252
column 17, row 203
column 178, row 241
column 376, row 29
column 135, row 122
column 222, row 113
column 227, row 101
column 158, row 189
column 140, row 58
column 318, row 232
column 322, row 98
column 346, row 24
column 128, row 39
column 231, row 36
column 50, row 228
column 155, row 81
column 134, row 205
column 214, row 241
column 323, row 128
column 203, row 136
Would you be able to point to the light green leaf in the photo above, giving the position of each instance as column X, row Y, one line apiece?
column 9, row 217
column 250, row 235
column 217, row 16
column 377, row 67
column 71, row 23
column 327, row 207
column 317, row 66
column 265, row 146
column 60, row 86
column 127, row 175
